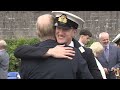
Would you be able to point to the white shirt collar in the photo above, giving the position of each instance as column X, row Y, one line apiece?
column 71, row 44
column 81, row 43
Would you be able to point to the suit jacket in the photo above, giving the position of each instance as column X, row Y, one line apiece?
column 52, row 68
column 89, row 57
column 4, row 64
column 113, row 61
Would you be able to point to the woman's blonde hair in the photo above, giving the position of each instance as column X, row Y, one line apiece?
column 96, row 47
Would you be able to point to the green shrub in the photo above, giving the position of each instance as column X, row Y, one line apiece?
column 12, row 45
column 90, row 42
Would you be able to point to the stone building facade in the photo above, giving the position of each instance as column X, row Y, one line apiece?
column 17, row 24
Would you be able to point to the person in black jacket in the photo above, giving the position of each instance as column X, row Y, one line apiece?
column 65, row 32
column 88, row 55
column 84, row 38
column 50, row 67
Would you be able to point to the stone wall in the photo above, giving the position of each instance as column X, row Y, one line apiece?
column 17, row 24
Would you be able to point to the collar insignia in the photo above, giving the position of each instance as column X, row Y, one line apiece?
column 81, row 49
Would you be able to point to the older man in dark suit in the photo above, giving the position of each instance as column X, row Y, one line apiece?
column 110, row 58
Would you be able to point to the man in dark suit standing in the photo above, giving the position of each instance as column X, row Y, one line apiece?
column 88, row 55
column 64, row 35
column 49, row 67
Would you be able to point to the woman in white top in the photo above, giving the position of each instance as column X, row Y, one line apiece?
column 97, row 49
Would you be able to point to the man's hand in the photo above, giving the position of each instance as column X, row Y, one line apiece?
column 61, row 52
column 116, row 71
column 113, row 69
column 106, row 71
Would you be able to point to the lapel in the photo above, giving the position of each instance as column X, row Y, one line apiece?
column 78, row 45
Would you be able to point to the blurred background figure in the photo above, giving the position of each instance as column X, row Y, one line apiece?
column 97, row 49
column 4, row 60
column 84, row 39
column 116, row 40
column 110, row 58
column 85, row 36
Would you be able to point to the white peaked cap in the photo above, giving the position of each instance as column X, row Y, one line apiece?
column 70, row 16
column 116, row 38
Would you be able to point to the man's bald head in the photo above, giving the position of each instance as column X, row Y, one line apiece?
column 44, row 20
column 103, row 34
column 45, row 26
column 104, row 38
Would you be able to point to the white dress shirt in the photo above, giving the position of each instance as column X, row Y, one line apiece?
column 71, row 44
column 81, row 43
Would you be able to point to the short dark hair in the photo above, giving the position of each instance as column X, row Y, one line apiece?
column 85, row 32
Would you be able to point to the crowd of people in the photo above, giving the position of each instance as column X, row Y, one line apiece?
column 60, row 56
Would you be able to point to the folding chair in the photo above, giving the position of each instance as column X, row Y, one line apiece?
column 13, row 75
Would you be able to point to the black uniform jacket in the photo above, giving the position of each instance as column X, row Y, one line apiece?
column 37, row 67
column 89, row 57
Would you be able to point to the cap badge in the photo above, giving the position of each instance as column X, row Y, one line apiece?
column 63, row 19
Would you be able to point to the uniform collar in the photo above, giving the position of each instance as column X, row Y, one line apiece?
column 81, row 43
column 71, row 44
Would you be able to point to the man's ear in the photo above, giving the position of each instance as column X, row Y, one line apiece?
column 75, row 31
